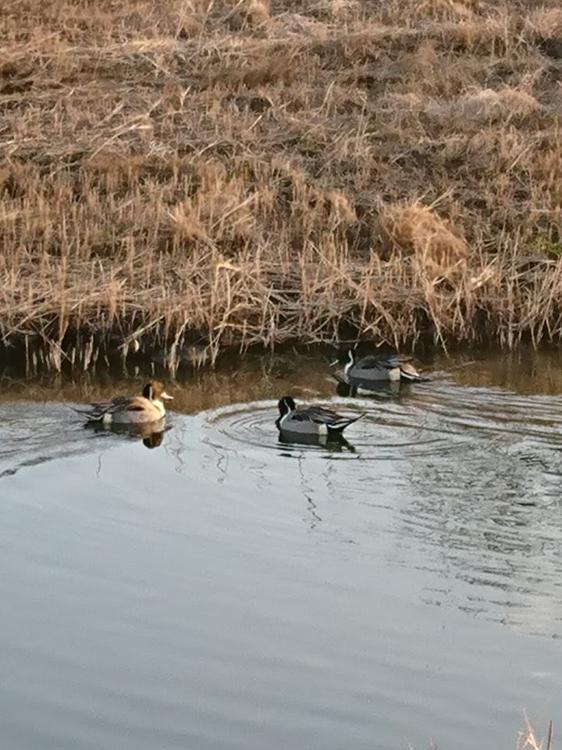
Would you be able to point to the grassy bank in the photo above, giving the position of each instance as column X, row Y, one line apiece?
column 206, row 174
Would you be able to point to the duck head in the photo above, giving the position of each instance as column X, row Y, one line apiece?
column 155, row 391
column 350, row 359
column 286, row 404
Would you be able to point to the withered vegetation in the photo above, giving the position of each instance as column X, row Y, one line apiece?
column 193, row 175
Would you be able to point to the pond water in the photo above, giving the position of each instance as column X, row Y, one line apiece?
column 226, row 590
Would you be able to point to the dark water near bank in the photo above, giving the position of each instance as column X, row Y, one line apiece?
column 223, row 590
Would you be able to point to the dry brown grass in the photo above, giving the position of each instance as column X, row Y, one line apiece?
column 209, row 173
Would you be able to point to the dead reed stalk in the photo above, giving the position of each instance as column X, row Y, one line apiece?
column 207, row 175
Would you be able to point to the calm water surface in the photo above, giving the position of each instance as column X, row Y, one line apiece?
column 224, row 590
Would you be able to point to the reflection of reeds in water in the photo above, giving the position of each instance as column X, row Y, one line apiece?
column 234, row 381
column 243, row 174
column 528, row 740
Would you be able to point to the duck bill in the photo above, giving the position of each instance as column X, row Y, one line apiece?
column 166, row 396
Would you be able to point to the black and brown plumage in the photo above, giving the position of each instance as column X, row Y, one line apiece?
column 148, row 407
column 391, row 367
column 310, row 420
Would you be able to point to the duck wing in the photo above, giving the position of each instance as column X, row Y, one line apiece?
column 371, row 363
column 403, row 362
column 320, row 414
column 327, row 417
column 116, row 403
column 98, row 409
column 407, row 369
column 390, row 362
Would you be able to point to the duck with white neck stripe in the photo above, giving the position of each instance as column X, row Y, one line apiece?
column 310, row 420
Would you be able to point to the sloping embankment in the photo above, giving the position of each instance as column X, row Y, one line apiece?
column 217, row 174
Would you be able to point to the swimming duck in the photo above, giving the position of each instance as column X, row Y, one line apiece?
column 357, row 387
column 124, row 410
column 310, row 420
column 393, row 367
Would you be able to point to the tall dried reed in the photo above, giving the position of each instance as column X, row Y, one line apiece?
column 188, row 176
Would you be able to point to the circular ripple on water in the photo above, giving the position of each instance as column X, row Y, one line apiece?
column 33, row 433
column 493, row 413
column 467, row 477
column 387, row 431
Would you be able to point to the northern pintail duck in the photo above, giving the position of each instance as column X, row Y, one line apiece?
column 392, row 367
column 310, row 420
column 136, row 410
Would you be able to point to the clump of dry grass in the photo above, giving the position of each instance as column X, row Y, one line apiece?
column 484, row 107
column 198, row 174
column 417, row 230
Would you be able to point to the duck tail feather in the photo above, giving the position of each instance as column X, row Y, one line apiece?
column 79, row 411
column 88, row 414
column 344, row 422
column 413, row 377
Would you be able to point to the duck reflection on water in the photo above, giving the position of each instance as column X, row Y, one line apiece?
column 151, row 434
column 335, row 443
